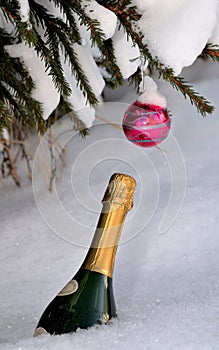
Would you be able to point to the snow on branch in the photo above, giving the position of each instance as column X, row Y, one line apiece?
column 24, row 10
column 78, row 46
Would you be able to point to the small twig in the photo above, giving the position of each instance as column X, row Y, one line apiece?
column 42, row 147
column 62, row 155
column 25, row 155
column 42, row 170
column 53, row 162
column 8, row 160
column 109, row 122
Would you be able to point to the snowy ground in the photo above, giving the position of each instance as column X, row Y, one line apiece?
column 166, row 284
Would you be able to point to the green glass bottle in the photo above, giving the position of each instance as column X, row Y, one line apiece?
column 88, row 298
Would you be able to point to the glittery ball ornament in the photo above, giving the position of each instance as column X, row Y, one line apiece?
column 146, row 125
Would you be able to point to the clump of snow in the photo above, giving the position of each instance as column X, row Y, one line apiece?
column 90, row 68
column 177, row 31
column 141, row 5
column 106, row 18
column 150, row 93
column 85, row 34
column 7, row 25
column 53, row 8
column 45, row 91
column 214, row 39
column 126, row 53
column 87, row 115
column 24, row 10
column 79, row 102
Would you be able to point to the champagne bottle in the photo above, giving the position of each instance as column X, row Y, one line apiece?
column 88, row 298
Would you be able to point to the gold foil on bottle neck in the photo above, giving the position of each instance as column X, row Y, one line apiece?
column 120, row 190
column 117, row 201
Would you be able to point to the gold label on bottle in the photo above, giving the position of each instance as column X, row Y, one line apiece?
column 39, row 331
column 100, row 260
column 117, row 201
column 70, row 288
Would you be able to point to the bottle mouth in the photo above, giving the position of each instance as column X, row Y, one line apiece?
column 120, row 190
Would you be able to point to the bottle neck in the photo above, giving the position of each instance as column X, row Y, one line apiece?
column 101, row 254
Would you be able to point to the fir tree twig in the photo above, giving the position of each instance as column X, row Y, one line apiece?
column 127, row 18
column 211, row 51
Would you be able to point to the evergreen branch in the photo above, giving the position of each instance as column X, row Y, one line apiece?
column 211, row 51
column 10, row 10
column 77, row 71
column 15, row 73
column 5, row 38
column 79, row 125
column 135, row 79
column 116, row 5
column 30, row 117
column 16, row 79
column 15, row 106
column 23, row 97
column 22, row 107
column 25, row 78
column 58, row 34
column 5, row 119
column 108, row 61
column 107, row 50
column 105, row 46
column 67, row 7
column 203, row 105
column 15, row 89
column 123, row 9
column 52, row 64
column 51, row 59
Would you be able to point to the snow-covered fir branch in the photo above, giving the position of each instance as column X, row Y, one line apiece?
column 74, row 48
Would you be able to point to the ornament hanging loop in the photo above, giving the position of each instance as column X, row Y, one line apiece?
column 142, row 71
column 142, row 74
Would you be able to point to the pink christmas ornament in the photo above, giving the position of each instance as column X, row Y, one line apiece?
column 146, row 125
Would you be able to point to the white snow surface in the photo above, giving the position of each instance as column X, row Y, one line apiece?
column 166, row 285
